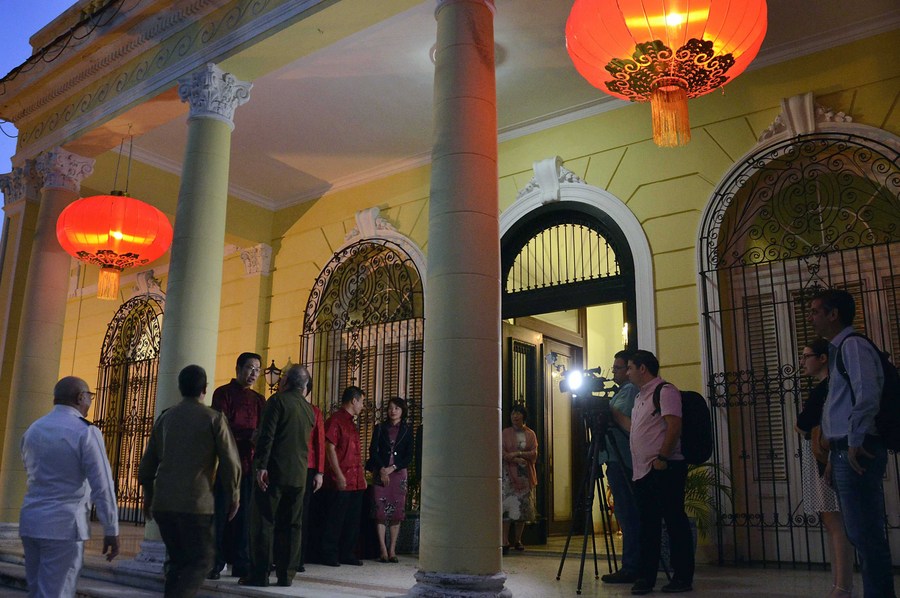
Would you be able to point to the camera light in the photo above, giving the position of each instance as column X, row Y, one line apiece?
column 574, row 379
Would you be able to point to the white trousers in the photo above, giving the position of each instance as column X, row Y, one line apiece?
column 52, row 566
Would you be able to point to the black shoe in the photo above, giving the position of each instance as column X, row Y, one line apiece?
column 641, row 587
column 301, row 569
column 676, row 586
column 331, row 563
column 284, row 582
column 214, row 574
column 620, row 576
column 249, row 581
column 352, row 561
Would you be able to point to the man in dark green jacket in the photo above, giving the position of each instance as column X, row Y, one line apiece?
column 280, row 465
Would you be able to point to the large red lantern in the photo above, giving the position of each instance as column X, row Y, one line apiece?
column 664, row 51
column 114, row 232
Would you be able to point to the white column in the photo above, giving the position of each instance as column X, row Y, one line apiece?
column 193, row 294
column 460, row 550
column 36, row 362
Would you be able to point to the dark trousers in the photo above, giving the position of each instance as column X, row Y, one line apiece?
column 341, row 528
column 276, row 525
column 189, row 551
column 233, row 537
column 307, row 499
column 660, row 497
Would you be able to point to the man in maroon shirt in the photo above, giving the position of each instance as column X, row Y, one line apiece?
column 345, row 481
column 242, row 407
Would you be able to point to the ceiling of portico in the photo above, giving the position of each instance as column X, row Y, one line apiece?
column 360, row 108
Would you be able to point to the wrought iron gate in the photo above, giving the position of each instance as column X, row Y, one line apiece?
column 813, row 212
column 364, row 325
column 126, row 395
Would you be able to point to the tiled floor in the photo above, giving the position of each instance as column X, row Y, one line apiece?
column 530, row 574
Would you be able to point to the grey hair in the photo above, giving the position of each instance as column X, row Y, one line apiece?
column 67, row 390
column 295, row 377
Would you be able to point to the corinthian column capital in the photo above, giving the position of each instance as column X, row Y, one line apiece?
column 213, row 93
column 64, row 170
column 21, row 183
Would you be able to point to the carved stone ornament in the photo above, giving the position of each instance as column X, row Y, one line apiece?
column 21, row 183
column 371, row 226
column 64, row 170
column 548, row 175
column 800, row 115
column 257, row 260
column 213, row 93
column 146, row 283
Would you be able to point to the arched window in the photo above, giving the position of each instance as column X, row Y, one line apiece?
column 364, row 325
column 126, row 395
column 798, row 214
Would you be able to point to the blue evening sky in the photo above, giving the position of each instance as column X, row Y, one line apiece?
column 20, row 20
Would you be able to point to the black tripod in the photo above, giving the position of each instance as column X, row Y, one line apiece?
column 596, row 426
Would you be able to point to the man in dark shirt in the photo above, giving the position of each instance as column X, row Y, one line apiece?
column 242, row 407
column 345, row 481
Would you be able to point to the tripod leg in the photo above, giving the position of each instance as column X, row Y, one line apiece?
column 585, row 491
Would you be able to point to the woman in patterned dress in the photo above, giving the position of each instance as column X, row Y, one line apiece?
column 818, row 497
column 389, row 455
column 519, row 476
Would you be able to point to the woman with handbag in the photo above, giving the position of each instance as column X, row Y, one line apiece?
column 390, row 453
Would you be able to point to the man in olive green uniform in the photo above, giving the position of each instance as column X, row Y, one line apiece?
column 188, row 442
column 280, row 464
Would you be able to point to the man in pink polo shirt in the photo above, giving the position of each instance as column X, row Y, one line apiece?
column 659, row 475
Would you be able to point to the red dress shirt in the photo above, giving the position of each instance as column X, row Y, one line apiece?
column 342, row 433
column 242, row 407
column 317, row 443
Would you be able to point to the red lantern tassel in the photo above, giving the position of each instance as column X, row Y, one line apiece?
column 108, row 284
column 668, row 106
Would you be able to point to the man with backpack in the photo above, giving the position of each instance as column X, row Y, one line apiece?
column 857, row 454
column 659, row 474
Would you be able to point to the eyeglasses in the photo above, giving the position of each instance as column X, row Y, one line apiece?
column 90, row 394
column 807, row 355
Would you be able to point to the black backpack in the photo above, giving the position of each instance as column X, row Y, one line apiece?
column 696, row 426
column 887, row 420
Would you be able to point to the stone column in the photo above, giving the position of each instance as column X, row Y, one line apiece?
column 36, row 361
column 460, row 550
column 193, row 293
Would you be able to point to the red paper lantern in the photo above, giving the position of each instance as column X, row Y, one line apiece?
column 114, row 232
column 664, row 51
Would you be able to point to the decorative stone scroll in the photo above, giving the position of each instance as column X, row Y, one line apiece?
column 548, row 175
column 22, row 183
column 65, row 170
column 800, row 115
column 213, row 93
column 257, row 260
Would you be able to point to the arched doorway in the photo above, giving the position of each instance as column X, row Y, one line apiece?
column 364, row 325
column 126, row 395
column 800, row 212
column 570, row 299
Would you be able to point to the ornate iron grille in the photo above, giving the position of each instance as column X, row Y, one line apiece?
column 565, row 256
column 365, row 326
column 808, row 213
column 126, row 395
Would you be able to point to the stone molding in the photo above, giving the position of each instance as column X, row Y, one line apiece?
column 370, row 225
column 431, row 584
column 23, row 183
column 801, row 115
column 548, row 174
column 213, row 93
column 257, row 260
column 63, row 170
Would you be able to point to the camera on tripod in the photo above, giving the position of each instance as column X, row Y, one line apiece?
column 591, row 395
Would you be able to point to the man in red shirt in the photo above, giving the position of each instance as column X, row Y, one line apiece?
column 242, row 407
column 345, row 482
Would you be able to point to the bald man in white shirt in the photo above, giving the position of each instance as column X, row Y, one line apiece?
column 67, row 468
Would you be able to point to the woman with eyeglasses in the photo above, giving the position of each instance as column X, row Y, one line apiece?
column 818, row 496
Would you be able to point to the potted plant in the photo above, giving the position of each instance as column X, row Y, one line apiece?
column 705, row 483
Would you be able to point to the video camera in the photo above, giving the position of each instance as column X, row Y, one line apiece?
column 590, row 393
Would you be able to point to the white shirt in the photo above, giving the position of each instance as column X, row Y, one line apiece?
column 64, row 458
